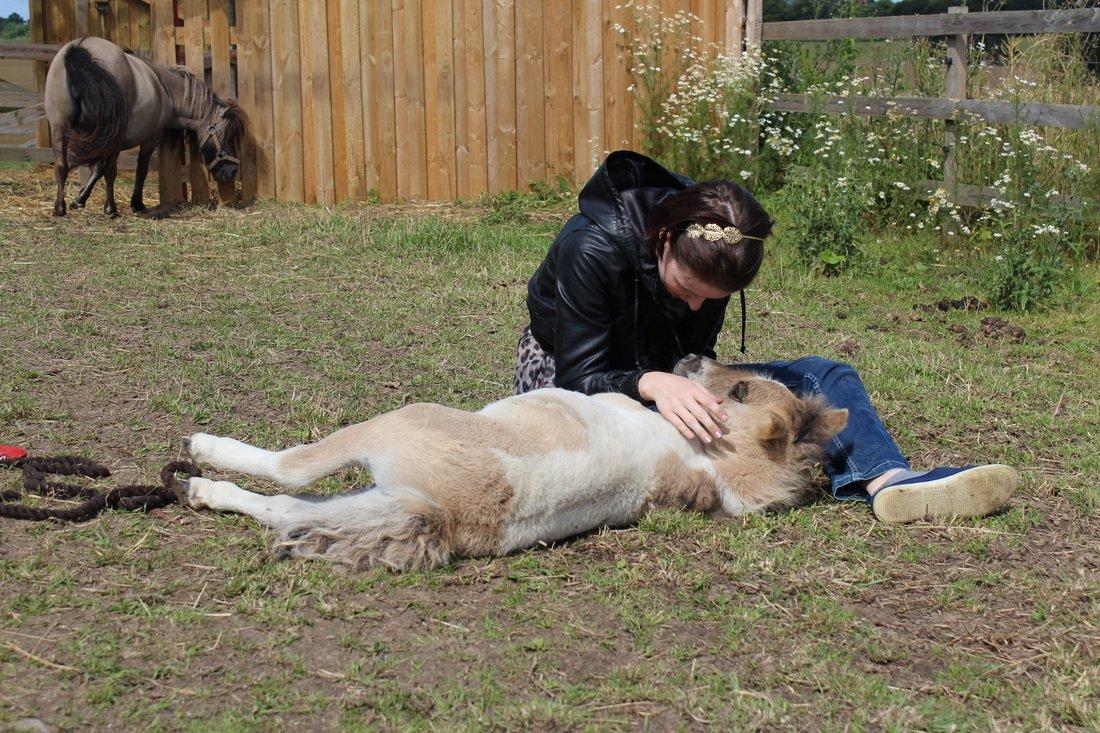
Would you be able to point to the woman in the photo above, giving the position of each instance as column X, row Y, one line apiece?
column 641, row 277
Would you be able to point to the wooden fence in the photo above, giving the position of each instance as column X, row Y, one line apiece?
column 441, row 99
column 957, row 24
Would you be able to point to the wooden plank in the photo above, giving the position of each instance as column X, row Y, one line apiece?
column 31, row 51
column 530, row 95
column 171, row 155
column 247, row 61
column 471, row 154
column 37, row 12
column 220, row 72
column 127, row 161
column 408, row 62
column 381, row 98
column 1086, row 20
column 289, row 158
column 558, row 60
column 262, row 82
column 142, row 30
column 121, row 23
column 194, row 20
column 338, row 125
column 500, row 93
column 1000, row 113
column 20, row 99
column 965, row 194
column 355, row 134
column 754, row 20
column 22, row 117
column 221, row 77
column 316, row 103
column 439, row 98
column 734, row 26
column 587, row 88
column 80, row 18
column 618, row 113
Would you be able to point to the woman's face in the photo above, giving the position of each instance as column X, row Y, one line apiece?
column 684, row 284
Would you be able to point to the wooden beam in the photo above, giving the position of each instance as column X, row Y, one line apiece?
column 20, row 99
column 127, row 161
column 1001, row 113
column 31, row 51
column 1086, row 20
column 966, row 194
column 24, row 116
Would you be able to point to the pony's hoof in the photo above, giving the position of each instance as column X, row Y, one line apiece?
column 59, row 210
column 76, row 204
column 139, row 208
column 111, row 213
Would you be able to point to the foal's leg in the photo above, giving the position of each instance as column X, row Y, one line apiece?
column 60, row 172
column 224, row 496
column 110, row 208
column 295, row 467
column 137, row 205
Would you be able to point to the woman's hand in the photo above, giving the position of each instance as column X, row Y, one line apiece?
column 689, row 406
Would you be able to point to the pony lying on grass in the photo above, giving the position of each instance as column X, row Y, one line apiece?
column 536, row 467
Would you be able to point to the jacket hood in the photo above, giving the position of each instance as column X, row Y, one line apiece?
column 621, row 192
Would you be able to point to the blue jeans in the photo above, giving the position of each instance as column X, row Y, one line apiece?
column 863, row 449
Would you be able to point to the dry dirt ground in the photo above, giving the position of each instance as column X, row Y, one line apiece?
column 278, row 324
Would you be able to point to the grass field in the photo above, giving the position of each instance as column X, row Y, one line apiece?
column 278, row 324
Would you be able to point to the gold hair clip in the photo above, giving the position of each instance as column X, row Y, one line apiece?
column 712, row 233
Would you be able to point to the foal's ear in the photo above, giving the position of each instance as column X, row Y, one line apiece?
column 820, row 422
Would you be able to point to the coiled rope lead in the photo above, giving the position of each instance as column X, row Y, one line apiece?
column 135, row 497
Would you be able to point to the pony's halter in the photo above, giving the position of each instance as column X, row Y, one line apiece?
column 220, row 156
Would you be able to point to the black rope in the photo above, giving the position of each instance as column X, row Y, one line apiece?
column 134, row 497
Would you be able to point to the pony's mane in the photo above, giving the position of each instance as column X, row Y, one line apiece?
column 201, row 101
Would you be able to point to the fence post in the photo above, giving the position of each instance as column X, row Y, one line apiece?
column 170, row 161
column 734, row 20
column 955, row 89
column 754, row 20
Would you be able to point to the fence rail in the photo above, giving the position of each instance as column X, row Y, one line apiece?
column 1079, row 116
column 1007, row 21
column 958, row 24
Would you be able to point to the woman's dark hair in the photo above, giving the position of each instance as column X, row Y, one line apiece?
column 719, row 264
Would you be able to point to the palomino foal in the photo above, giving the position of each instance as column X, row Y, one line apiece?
column 535, row 467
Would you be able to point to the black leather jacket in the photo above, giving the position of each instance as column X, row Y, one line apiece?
column 597, row 303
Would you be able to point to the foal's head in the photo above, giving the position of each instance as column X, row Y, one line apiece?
column 763, row 413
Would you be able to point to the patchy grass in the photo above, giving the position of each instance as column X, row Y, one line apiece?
column 279, row 324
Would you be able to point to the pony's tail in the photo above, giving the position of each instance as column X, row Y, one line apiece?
column 100, row 116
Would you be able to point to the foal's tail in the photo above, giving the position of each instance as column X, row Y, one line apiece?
column 99, row 119
column 395, row 527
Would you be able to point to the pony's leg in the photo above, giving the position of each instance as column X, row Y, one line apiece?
column 137, row 205
column 60, row 173
column 110, row 208
column 295, row 467
column 82, row 197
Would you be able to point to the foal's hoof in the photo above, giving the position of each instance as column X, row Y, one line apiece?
column 198, row 445
column 196, row 492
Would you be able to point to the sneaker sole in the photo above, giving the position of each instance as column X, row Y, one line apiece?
column 973, row 493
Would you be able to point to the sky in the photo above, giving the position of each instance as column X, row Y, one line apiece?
column 7, row 7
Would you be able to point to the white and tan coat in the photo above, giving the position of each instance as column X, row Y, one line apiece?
column 536, row 467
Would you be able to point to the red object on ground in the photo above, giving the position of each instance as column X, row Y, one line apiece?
column 11, row 453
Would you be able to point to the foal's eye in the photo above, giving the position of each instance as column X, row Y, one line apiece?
column 739, row 391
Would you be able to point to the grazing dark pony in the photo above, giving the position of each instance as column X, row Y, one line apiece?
column 101, row 100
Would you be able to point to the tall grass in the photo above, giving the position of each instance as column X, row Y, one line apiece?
column 841, row 177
